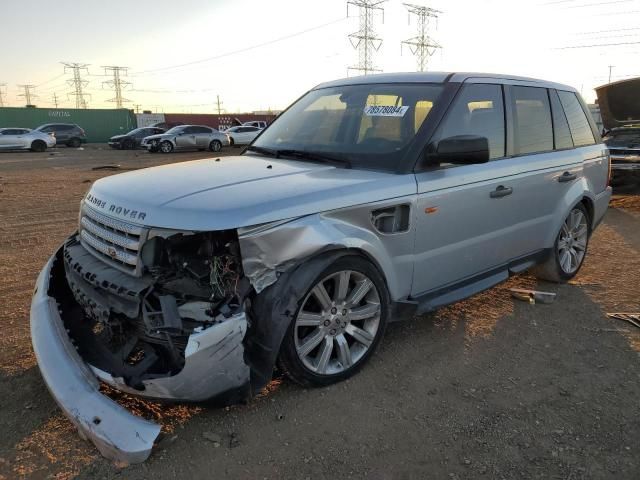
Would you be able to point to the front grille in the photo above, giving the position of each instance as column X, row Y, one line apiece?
column 115, row 242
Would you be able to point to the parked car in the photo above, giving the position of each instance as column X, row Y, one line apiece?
column 255, row 123
column 621, row 120
column 187, row 137
column 25, row 139
column 68, row 134
column 242, row 135
column 371, row 199
column 133, row 139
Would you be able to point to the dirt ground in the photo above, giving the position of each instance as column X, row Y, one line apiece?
column 488, row 388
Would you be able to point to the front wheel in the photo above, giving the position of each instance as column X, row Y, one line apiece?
column 166, row 147
column 38, row 146
column 74, row 143
column 215, row 145
column 569, row 249
column 339, row 323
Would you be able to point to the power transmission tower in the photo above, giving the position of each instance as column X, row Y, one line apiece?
column 365, row 39
column 28, row 94
column 117, row 84
column 55, row 99
column 77, row 83
column 422, row 46
column 2, row 85
column 219, row 105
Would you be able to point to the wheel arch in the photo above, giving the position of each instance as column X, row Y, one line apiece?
column 579, row 193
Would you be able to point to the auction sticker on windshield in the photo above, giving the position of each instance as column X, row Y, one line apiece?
column 385, row 111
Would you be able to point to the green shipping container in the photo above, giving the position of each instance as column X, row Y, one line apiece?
column 98, row 124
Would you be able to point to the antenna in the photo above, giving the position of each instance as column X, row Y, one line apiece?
column 422, row 46
column 28, row 94
column 77, row 83
column 365, row 39
column 117, row 83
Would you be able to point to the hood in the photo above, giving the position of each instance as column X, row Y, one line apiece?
column 238, row 191
column 115, row 138
column 619, row 103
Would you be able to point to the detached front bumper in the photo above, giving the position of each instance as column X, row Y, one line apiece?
column 118, row 434
column 214, row 365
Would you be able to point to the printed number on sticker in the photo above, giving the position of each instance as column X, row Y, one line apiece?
column 385, row 111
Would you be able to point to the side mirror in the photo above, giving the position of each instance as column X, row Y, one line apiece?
column 460, row 149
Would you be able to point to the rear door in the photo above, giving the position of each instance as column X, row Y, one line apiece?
column 203, row 136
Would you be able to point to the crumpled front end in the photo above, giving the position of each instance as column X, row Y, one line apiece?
column 175, row 333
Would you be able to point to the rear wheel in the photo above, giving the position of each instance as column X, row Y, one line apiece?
column 166, row 147
column 74, row 143
column 215, row 145
column 38, row 146
column 569, row 249
column 338, row 325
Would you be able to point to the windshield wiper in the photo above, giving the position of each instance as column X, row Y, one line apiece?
column 302, row 154
column 315, row 157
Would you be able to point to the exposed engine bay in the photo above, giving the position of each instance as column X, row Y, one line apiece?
column 137, row 327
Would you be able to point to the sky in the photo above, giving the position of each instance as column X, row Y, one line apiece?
column 259, row 55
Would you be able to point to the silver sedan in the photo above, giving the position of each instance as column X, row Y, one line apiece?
column 25, row 139
column 186, row 137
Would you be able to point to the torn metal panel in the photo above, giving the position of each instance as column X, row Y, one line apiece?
column 118, row 434
column 214, row 364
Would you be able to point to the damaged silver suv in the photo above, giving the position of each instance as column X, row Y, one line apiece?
column 369, row 200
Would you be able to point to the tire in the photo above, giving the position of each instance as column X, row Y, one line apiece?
column 324, row 345
column 74, row 143
column 128, row 144
column 215, row 145
column 153, row 149
column 38, row 146
column 569, row 249
column 166, row 146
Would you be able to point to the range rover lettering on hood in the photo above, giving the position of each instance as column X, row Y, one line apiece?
column 112, row 208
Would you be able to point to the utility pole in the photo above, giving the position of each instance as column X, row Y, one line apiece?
column 219, row 105
column 2, row 85
column 117, row 83
column 55, row 99
column 610, row 69
column 28, row 94
column 77, row 83
column 421, row 46
column 137, row 107
column 365, row 39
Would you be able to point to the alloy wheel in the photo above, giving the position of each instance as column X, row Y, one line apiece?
column 337, row 322
column 572, row 241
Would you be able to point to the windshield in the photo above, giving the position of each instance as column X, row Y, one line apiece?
column 173, row 130
column 371, row 126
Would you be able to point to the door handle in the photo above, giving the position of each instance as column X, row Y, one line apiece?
column 501, row 191
column 567, row 177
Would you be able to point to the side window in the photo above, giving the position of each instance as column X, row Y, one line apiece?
column 532, row 131
column 578, row 123
column 561, row 131
column 189, row 130
column 478, row 110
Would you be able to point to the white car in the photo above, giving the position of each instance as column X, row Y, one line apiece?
column 25, row 139
column 242, row 135
column 256, row 123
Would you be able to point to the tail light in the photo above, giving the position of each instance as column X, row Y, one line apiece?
column 82, row 132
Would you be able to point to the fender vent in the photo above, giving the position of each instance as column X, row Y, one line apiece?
column 391, row 219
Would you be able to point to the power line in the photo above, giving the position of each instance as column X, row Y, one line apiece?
column 598, row 4
column 51, row 80
column 365, row 39
column 28, row 94
column 235, row 52
column 77, row 83
column 607, row 31
column 596, row 45
column 422, row 46
column 117, row 84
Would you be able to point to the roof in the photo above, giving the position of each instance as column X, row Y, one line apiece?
column 439, row 77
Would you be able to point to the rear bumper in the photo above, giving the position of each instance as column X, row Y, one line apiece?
column 118, row 434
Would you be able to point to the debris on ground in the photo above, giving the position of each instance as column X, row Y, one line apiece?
column 107, row 167
column 532, row 296
column 632, row 318
column 213, row 438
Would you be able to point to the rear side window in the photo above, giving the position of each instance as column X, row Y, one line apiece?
column 532, row 131
column 478, row 110
column 578, row 123
column 561, row 131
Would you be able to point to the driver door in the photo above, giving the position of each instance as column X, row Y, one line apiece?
column 187, row 138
